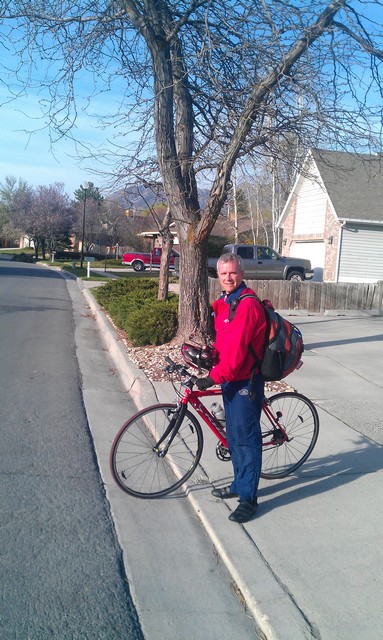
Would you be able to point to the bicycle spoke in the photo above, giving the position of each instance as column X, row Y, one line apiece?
column 144, row 468
column 299, row 421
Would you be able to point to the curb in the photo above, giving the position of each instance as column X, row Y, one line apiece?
column 133, row 378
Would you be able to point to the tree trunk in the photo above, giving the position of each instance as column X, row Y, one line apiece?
column 174, row 134
column 194, row 318
column 167, row 244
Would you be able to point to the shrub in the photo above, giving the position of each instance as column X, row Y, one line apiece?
column 133, row 306
column 216, row 245
column 76, row 255
column 23, row 257
column 154, row 323
column 115, row 290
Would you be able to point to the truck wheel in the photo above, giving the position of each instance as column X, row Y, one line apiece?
column 138, row 265
column 295, row 275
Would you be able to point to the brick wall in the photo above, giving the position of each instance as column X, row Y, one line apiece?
column 331, row 236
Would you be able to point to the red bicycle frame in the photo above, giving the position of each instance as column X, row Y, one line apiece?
column 193, row 398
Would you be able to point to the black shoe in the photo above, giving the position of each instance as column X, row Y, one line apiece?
column 224, row 493
column 245, row 511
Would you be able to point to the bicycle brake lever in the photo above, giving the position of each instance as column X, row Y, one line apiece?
column 171, row 367
column 190, row 382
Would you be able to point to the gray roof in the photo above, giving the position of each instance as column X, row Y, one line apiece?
column 354, row 183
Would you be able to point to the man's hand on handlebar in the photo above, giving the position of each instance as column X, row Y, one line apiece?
column 204, row 383
column 201, row 383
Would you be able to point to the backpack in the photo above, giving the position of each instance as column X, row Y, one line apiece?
column 283, row 345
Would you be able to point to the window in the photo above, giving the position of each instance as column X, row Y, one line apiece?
column 265, row 253
column 245, row 252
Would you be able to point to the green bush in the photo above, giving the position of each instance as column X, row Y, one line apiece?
column 76, row 255
column 23, row 257
column 216, row 245
column 133, row 307
column 126, row 287
column 154, row 323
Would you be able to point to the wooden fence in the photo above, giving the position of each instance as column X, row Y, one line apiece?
column 316, row 297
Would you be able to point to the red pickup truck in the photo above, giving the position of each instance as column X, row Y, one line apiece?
column 140, row 261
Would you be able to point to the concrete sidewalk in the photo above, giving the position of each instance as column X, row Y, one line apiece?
column 309, row 565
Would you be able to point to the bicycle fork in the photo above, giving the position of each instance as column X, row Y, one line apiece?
column 170, row 432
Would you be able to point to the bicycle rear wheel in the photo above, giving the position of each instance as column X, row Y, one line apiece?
column 299, row 418
column 145, row 470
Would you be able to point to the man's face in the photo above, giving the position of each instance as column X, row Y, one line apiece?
column 230, row 276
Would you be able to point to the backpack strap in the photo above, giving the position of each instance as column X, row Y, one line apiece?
column 234, row 303
column 257, row 362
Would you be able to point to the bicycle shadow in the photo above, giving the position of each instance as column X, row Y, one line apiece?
column 321, row 475
column 316, row 476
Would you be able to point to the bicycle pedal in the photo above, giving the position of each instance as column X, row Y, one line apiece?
column 222, row 453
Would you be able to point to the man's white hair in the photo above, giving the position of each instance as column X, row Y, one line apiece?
column 225, row 258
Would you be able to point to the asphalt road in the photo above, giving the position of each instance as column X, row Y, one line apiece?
column 62, row 574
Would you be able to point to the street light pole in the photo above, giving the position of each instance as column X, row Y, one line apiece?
column 84, row 187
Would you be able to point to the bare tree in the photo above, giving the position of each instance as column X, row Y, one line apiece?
column 112, row 225
column 50, row 218
column 16, row 199
column 44, row 213
column 167, row 245
column 88, row 209
column 207, row 82
column 162, row 221
column 257, row 190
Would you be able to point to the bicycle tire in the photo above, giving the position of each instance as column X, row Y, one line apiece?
column 300, row 420
column 138, row 468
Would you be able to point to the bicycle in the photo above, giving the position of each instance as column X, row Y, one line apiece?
column 159, row 448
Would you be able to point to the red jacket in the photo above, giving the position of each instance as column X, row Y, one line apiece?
column 248, row 326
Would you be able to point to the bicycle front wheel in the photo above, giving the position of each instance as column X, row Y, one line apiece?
column 299, row 419
column 146, row 469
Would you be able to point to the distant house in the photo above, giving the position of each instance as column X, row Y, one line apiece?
column 222, row 230
column 334, row 216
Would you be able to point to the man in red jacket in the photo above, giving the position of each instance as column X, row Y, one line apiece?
column 242, row 384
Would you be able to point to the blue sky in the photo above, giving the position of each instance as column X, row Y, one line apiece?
column 32, row 157
column 26, row 150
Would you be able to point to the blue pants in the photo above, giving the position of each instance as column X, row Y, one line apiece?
column 244, row 434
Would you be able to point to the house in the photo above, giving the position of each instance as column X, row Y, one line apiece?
column 222, row 230
column 155, row 236
column 334, row 216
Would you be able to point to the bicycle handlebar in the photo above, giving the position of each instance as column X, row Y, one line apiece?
column 173, row 367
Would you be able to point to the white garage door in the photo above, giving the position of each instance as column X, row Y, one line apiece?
column 313, row 251
column 361, row 254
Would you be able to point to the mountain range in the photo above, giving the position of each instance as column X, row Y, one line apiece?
column 140, row 197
